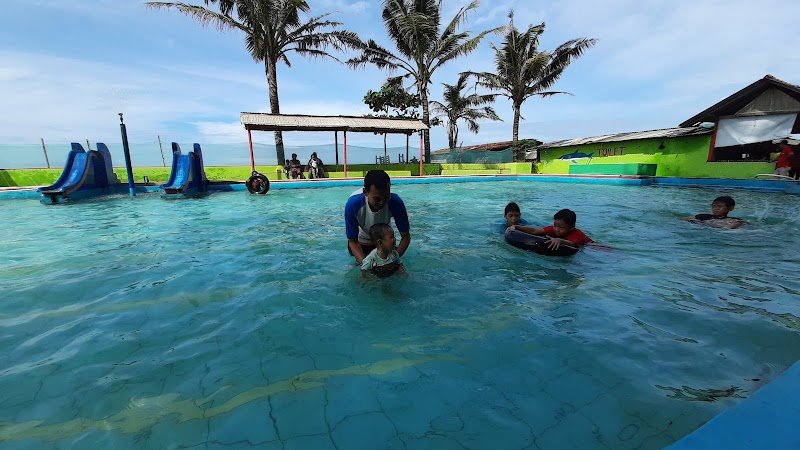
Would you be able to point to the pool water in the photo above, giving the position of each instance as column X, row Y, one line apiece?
column 236, row 320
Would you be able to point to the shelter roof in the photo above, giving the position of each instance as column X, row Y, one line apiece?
column 296, row 122
column 636, row 135
column 739, row 100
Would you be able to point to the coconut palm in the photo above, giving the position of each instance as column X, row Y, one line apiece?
column 458, row 106
column 522, row 70
column 273, row 29
column 414, row 27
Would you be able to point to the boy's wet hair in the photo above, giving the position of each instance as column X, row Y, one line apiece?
column 567, row 216
column 378, row 178
column 725, row 200
column 511, row 207
column 377, row 231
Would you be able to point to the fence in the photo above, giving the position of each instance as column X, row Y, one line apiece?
column 459, row 156
column 148, row 154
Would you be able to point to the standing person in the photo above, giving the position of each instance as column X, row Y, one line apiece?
column 784, row 162
column 374, row 204
column 794, row 172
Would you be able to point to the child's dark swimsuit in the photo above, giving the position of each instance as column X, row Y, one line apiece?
column 703, row 217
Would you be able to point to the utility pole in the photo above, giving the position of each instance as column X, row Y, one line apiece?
column 44, row 149
column 163, row 161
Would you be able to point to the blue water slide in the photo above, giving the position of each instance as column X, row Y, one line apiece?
column 188, row 174
column 76, row 150
column 181, row 171
column 90, row 172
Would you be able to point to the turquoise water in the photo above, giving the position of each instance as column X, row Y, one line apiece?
column 234, row 320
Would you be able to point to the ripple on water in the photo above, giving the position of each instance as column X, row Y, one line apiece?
column 149, row 322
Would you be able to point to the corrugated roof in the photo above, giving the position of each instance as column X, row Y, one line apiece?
column 636, row 135
column 294, row 122
column 490, row 146
column 735, row 102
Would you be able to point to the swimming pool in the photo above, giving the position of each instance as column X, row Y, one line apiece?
column 237, row 320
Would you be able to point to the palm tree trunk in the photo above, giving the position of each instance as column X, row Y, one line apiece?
column 452, row 135
column 274, row 106
column 426, row 115
column 515, row 129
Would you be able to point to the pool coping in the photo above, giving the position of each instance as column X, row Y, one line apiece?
column 778, row 186
column 766, row 419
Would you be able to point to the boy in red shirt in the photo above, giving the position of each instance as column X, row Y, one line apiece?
column 562, row 231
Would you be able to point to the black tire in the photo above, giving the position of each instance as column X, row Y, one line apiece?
column 537, row 244
column 258, row 184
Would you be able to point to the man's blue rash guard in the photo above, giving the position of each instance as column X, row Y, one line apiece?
column 356, row 211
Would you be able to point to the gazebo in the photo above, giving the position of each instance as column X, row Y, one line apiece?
column 295, row 122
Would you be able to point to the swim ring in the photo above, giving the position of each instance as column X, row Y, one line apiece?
column 257, row 183
column 537, row 244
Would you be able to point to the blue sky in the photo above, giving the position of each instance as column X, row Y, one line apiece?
column 68, row 67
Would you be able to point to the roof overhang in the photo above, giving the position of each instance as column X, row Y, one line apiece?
column 296, row 122
column 734, row 103
column 664, row 133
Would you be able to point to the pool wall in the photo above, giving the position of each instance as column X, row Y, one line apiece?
column 778, row 186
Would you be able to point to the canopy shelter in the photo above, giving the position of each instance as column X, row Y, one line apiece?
column 293, row 122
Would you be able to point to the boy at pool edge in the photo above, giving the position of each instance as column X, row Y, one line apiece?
column 562, row 231
column 720, row 208
column 383, row 260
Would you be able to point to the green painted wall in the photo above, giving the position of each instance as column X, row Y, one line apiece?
column 44, row 177
column 681, row 157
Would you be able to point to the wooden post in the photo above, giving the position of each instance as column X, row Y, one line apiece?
column 163, row 161
column 421, row 146
column 407, row 138
column 44, row 149
column 336, row 143
column 252, row 158
column 345, row 153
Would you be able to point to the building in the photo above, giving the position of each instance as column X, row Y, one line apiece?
column 732, row 139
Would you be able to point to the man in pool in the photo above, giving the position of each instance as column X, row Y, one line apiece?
column 374, row 204
column 720, row 208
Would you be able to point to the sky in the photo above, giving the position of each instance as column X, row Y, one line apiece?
column 68, row 67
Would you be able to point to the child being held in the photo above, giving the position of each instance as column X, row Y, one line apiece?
column 383, row 260
column 720, row 208
column 562, row 231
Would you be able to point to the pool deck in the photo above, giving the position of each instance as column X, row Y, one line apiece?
column 767, row 419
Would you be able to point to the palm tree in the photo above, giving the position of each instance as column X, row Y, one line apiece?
column 523, row 71
column 273, row 29
column 413, row 26
column 458, row 106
